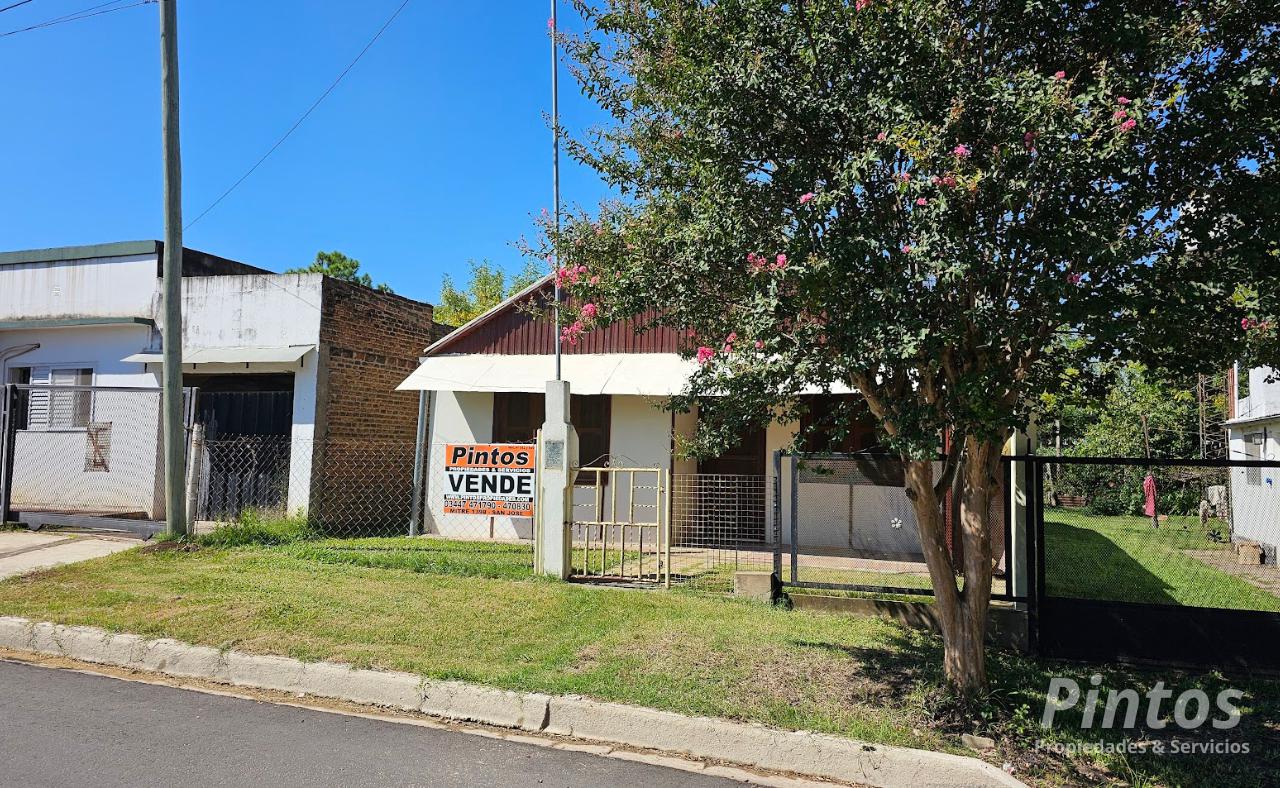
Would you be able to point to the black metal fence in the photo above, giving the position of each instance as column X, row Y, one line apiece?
column 1168, row 561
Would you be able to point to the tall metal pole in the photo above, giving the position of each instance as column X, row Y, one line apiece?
column 171, row 402
column 555, row 168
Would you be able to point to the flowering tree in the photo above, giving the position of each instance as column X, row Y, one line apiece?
column 934, row 201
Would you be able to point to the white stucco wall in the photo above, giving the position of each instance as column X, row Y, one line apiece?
column 1264, row 397
column 49, row 465
column 100, row 287
column 1255, row 508
column 218, row 311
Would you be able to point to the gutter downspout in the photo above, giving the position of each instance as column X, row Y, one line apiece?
column 13, row 352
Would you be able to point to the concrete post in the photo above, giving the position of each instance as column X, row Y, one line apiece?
column 195, row 474
column 1016, row 551
column 555, row 504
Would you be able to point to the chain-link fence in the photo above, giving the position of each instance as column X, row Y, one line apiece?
column 83, row 451
column 1136, row 531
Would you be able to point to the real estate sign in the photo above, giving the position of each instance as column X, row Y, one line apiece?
column 489, row 478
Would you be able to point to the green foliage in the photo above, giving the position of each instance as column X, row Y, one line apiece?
column 486, row 289
column 254, row 528
column 921, row 199
column 339, row 266
column 916, row 197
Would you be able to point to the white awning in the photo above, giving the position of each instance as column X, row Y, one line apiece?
column 648, row 374
column 283, row 354
column 654, row 374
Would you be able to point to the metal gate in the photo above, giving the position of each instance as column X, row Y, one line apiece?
column 620, row 528
column 83, row 456
column 1156, row 561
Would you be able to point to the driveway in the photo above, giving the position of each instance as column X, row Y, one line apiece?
column 70, row 729
column 28, row 551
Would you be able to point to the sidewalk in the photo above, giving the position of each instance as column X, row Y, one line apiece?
column 28, row 551
column 572, row 717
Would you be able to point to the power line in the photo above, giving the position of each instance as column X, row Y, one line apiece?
column 15, row 5
column 76, row 16
column 305, row 115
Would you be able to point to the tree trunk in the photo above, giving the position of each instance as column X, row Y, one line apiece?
column 962, row 612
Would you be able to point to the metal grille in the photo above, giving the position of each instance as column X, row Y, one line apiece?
column 719, row 526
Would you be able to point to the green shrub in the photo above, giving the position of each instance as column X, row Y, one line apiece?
column 255, row 529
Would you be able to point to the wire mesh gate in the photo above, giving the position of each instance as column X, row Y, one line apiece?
column 620, row 527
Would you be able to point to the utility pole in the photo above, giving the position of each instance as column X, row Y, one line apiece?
column 555, row 170
column 175, row 436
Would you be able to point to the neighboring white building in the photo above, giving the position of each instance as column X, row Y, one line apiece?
column 298, row 357
column 1253, row 433
column 487, row 381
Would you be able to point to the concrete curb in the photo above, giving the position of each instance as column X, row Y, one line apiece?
column 810, row 754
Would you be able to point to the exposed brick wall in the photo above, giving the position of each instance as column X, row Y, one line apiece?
column 369, row 342
column 373, row 341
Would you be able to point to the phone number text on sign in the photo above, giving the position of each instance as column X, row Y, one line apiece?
column 489, row 478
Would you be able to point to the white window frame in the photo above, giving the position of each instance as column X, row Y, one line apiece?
column 37, row 400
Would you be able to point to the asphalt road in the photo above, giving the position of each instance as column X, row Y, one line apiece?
column 60, row 728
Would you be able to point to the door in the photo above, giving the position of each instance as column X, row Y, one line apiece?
column 732, row 487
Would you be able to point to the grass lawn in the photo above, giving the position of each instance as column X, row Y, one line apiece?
column 1124, row 559
column 473, row 612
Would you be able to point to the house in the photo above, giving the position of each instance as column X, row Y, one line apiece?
column 486, row 383
column 1253, row 433
column 305, row 363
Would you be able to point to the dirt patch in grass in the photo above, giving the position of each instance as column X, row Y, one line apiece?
column 170, row 546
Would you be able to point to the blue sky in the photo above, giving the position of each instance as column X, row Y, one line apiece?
column 432, row 151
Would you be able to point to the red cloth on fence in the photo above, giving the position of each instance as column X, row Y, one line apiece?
column 1149, row 490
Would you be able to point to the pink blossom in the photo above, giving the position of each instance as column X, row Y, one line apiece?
column 921, row 201
column 934, row 180
column 949, row 181
column 570, row 333
column 881, row 137
column 861, row 5
column 779, row 263
column 1074, row 278
column 961, row 151
column 589, row 311
column 705, row 354
column 595, row 280
column 1246, row 323
column 1118, row 114
column 806, row 197
column 733, row 337
column 904, row 177
column 757, row 262
column 1128, row 125
column 906, row 248
column 551, row 23
column 759, row 345
column 1060, row 75
column 1124, row 100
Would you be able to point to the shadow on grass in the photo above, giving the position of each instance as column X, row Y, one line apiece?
column 1083, row 563
column 905, row 670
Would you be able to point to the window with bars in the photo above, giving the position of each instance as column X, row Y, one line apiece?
column 1253, row 442
column 53, row 409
